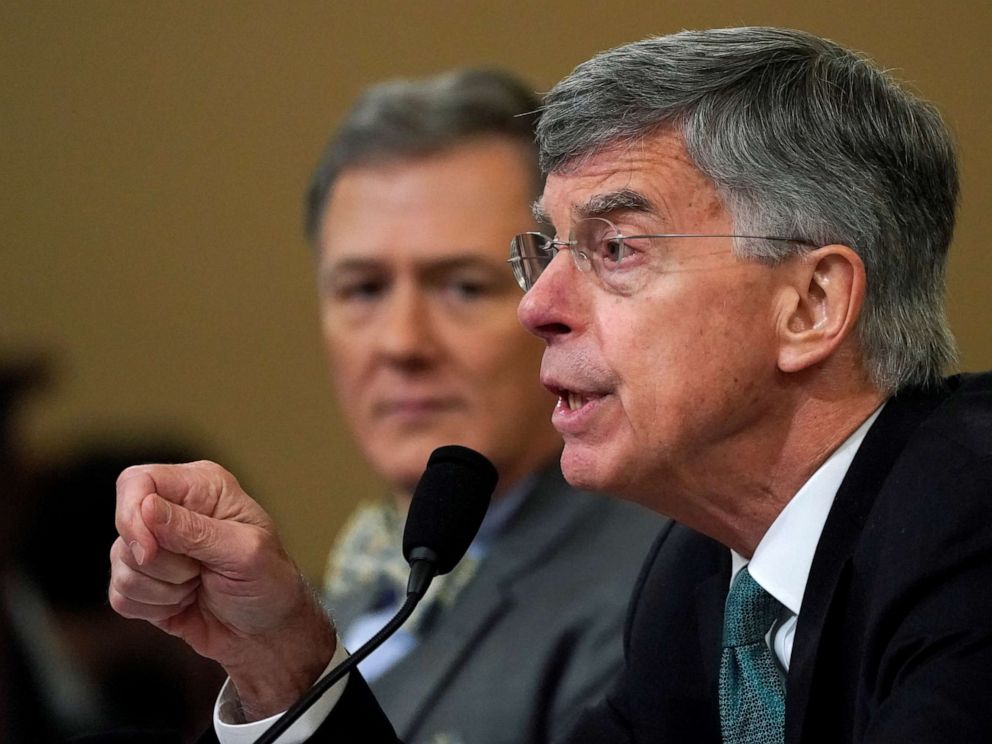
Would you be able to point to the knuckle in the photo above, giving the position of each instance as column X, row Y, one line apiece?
column 115, row 600
column 196, row 531
column 124, row 581
column 259, row 549
column 125, row 475
column 121, row 604
column 118, row 553
column 208, row 466
column 213, row 469
column 130, row 473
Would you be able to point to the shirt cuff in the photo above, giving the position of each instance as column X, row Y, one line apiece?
column 227, row 709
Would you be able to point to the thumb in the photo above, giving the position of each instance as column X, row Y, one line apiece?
column 180, row 530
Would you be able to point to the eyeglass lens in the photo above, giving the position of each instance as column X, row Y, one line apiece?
column 593, row 245
column 530, row 254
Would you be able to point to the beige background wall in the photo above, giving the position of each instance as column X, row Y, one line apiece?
column 152, row 156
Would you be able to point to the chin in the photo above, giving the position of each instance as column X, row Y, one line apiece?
column 583, row 469
column 599, row 469
column 401, row 461
column 401, row 466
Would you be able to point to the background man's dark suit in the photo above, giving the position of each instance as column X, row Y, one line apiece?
column 535, row 636
column 894, row 641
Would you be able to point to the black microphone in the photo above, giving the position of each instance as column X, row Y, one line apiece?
column 447, row 508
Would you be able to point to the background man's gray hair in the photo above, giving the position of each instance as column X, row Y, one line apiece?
column 802, row 138
column 411, row 118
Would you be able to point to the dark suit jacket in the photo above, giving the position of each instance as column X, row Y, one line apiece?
column 894, row 641
column 535, row 637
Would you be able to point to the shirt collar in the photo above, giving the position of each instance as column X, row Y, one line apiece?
column 782, row 560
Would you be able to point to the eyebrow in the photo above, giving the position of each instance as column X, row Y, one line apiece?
column 621, row 200
column 430, row 266
column 537, row 209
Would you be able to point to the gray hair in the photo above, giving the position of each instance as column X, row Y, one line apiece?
column 401, row 119
column 802, row 138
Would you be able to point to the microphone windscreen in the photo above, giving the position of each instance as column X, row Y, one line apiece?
column 449, row 504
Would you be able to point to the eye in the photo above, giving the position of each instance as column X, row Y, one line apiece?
column 358, row 289
column 600, row 240
column 467, row 288
column 613, row 250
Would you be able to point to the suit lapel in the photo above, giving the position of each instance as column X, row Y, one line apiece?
column 841, row 532
column 543, row 520
column 438, row 655
column 710, row 598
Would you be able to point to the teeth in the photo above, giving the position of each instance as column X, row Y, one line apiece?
column 575, row 401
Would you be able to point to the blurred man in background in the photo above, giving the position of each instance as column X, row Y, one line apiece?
column 409, row 214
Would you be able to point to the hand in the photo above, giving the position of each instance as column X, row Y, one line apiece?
column 200, row 559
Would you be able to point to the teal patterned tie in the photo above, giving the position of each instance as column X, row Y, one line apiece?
column 752, row 686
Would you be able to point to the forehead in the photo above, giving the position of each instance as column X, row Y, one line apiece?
column 471, row 198
column 653, row 176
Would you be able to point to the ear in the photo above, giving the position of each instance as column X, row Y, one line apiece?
column 822, row 305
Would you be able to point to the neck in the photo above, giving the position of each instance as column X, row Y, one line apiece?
column 745, row 485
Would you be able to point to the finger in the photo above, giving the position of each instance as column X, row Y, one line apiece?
column 129, row 608
column 225, row 498
column 166, row 565
column 206, row 488
column 197, row 485
column 133, row 485
column 138, row 587
column 220, row 545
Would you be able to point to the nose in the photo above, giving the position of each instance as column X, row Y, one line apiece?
column 548, row 309
column 406, row 334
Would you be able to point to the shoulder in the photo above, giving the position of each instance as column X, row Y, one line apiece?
column 932, row 511
column 949, row 452
column 964, row 418
column 926, row 448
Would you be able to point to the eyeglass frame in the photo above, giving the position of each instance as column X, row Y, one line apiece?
column 584, row 263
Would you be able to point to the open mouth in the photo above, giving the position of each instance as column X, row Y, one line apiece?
column 573, row 400
column 576, row 410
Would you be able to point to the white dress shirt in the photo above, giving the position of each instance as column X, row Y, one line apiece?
column 227, row 712
column 782, row 560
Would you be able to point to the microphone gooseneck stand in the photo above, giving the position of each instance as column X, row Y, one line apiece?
column 447, row 508
column 422, row 572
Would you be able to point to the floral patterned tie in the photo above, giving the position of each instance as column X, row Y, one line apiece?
column 368, row 558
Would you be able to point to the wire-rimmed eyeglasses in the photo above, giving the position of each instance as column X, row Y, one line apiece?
column 621, row 262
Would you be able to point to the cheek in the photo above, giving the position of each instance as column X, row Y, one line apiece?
column 670, row 357
column 347, row 362
column 344, row 342
column 507, row 369
column 490, row 343
column 503, row 373
column 713, row 366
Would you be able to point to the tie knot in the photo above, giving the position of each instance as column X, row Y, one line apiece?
column 750, row 612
